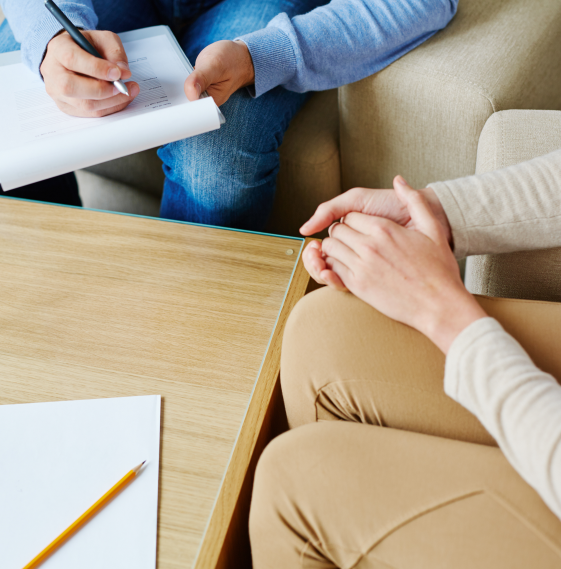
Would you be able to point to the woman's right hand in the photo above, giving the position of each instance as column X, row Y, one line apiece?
column 379, row 203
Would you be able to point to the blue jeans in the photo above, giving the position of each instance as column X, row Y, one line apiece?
column 225, row 177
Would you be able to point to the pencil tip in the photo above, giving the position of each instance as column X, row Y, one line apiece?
column 137, row 469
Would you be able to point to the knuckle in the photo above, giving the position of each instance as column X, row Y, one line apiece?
column 99, row 68
column 368, row 250
column 66, row 85
column 87, row 105
column 100, row 90
column 67, row 58
column 97, row 114
column 381, row 231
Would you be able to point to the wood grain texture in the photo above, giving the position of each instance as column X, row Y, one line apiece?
column 255, row 433
column 99, row 305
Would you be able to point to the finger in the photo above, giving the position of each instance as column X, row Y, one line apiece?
column 369, row 224
column 420, row 211
column 95, row 109
column 354, row 240
column 336, row 249
column 73, row 86
column 340, row 270
column 328, row 212
column 74, row 58
column 332, row 280
column 313, row 261
column 110, row 47
column 193, row 87
column 94, row 105
column 208, row 71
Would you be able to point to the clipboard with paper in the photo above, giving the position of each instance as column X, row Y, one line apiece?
column 38, row 141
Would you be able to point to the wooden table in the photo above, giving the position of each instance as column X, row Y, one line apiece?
column 98, row 305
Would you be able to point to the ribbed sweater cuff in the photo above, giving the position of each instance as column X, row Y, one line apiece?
column 455, row 218
column 35, row 45
column 273, row 58
column 461, row 351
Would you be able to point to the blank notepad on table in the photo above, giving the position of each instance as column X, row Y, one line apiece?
column 57, row 459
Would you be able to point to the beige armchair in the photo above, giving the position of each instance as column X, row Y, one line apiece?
column 510, row 137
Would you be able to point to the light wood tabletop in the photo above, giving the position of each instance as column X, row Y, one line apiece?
column 97, row 305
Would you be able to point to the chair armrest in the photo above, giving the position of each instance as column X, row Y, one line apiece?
column 515, row 136
column 422, row 116
column 508, row 138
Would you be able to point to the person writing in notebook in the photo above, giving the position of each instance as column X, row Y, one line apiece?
column 280, row 49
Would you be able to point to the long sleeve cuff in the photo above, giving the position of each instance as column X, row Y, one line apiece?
column 35, row 44
column 274, row 60
column 457, row 373
column 455, row 217
column 513, row 209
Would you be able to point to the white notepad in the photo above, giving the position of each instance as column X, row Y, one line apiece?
column 57, row 460
column 38, row 141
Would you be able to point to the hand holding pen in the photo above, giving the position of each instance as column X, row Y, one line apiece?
column 81, row 83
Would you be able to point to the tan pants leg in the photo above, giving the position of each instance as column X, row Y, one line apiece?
column 354, row 495
column 343, row 360
column 344, row 495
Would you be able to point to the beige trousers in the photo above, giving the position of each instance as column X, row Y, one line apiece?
column 430, row 492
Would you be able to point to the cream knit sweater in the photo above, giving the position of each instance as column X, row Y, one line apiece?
column 487, row 371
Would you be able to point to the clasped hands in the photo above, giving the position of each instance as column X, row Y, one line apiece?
column 391, row 248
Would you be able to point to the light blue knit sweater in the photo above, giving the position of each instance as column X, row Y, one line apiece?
column 330, row 46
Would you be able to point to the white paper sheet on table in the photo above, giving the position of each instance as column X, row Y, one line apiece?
column 58, row 459
column 38, row 141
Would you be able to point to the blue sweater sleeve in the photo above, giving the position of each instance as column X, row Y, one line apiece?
column 34, row 26
column 341, row 42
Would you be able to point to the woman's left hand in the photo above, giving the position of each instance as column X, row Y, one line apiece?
column 408, row 275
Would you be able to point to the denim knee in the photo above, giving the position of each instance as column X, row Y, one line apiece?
column 227, row 177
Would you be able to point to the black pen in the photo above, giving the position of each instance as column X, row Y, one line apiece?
column 79, row 38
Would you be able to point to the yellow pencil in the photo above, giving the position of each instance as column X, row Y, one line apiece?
column 84, row 518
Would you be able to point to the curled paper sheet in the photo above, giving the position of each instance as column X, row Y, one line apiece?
column 38, row 141
column 80, row 149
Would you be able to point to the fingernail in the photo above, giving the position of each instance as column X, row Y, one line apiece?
column 123, row 65
column 115, row 91
column 198, row 88
column 401, row 181
column 114, row 74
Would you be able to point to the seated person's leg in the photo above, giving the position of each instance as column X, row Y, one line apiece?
column 128, row 15
column 62, row 189
column 344, row 360
column 228, row 177
column 344, row 495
